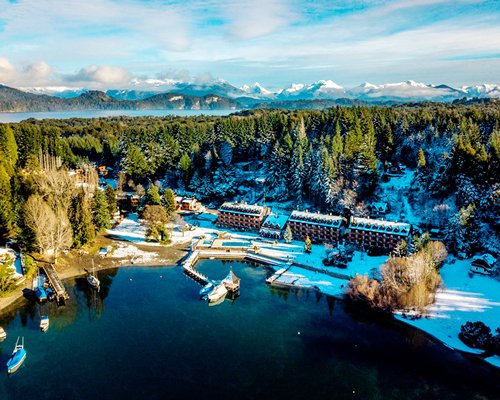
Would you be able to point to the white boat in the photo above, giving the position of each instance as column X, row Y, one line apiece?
column 3, row 334
column 218, row 293
column 44, row 323
column 92, row 279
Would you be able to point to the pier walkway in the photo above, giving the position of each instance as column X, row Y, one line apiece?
column 55, row 282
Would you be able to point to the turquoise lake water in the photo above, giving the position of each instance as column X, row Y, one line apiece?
column 21, row 116
column 146, row 335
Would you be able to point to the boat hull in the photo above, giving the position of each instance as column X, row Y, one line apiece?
column 218, row 293
column 15, row 363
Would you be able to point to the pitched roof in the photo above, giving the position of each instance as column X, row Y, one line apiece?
column 316, row 219
column 378, row 225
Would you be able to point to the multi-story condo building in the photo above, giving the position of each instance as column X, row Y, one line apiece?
column 376, row 234
column 319, row 227
column 241, row 216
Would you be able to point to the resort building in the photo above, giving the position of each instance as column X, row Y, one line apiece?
column 273, row 226
column 241, row 216
column 186, row 203
column 319, row 227
column 376, row 234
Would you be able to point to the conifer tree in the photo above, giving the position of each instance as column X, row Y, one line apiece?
column 153, row 196
column 307, row 245
column 100, row 211
column 110, row 199
column 81, row 220
column 5, row 202
column 421, row 158
column 8, row 148
column 288, row 235
column 168, row 202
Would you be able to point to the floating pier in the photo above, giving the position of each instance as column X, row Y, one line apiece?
column 55, row 283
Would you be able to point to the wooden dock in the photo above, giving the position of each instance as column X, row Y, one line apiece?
column 55, row 283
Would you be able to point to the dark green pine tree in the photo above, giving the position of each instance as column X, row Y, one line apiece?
column 6, row 216
column 110, row 199
column 168, row 202
column 81, row 220
column 134, row 163
column 100, row 211
column 8, row 148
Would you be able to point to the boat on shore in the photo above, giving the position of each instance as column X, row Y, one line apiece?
column 3, row 334
column 218, row 293
column 44, row 323
column 92, row 279
column 18, row 356
column 40, row 293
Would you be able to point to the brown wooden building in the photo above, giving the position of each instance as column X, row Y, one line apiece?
column 241, row 216
column 376, row 234
column 319, row 227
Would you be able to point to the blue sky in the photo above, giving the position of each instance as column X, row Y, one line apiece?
column 107, row 44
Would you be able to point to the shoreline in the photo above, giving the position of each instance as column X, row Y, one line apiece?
column 75, row 264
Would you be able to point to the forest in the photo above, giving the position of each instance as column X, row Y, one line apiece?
column 330, row 160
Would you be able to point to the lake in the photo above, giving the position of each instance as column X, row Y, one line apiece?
column 147, row 335
column 21, row 116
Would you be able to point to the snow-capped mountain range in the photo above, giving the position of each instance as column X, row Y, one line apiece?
column 320, row 90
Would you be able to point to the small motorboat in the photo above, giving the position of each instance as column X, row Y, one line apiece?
column 219, row 292
column 205, row 290
column 3, row 334
column 17, row 358
column 44, row 323
column 40, row 293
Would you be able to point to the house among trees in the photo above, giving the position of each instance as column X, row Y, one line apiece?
column 273, row 226
column 394, row 169
column 241, row 215
column 483, row 264
column 186, row 203
column 104, row 170
column 377, row 209
column 319, row 227
column 376, row 234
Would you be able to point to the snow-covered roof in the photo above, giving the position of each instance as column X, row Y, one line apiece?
column 275, row 221
column 378, row 225
column 316, row 218
column 241, row 208
column 264, row 231
column 380, row 207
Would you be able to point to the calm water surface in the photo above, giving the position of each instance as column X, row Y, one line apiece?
column 20, row 116
column 146, row 335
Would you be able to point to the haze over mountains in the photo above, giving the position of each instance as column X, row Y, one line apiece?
column 220, row 94
column 323, row 89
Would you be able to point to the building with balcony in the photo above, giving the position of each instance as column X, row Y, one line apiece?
column 241, row 216
column 273, row 226
column 376, row 234
column 319, row 227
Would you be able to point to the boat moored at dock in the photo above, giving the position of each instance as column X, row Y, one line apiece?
column 218, row 293
column 18, row 356
column 207, row 289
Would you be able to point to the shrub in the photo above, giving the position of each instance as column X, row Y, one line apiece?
column 475, row 334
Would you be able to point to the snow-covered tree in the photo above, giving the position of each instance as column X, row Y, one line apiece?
column 288, row 235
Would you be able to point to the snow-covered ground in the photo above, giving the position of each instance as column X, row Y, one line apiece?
column 462, row 298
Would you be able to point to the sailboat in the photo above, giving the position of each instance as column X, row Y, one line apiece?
column 17, row 358
column 44, row 323
column 92, row 279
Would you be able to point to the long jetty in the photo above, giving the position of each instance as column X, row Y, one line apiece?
column 55, row 282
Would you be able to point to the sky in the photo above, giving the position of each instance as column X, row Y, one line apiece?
column 111, row 44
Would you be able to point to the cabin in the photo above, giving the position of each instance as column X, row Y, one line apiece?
column 190, row 204
column 376, row 234
column 241, row 215
column 273, row 226
column 377, row 209
column 483, row 264
column 319, row 227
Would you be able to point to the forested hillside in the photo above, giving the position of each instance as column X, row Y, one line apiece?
column 331, row 160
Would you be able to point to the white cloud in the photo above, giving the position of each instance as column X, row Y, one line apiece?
column 7, row 71
column 37, row 73
column 100, row 74
column 254, row 18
